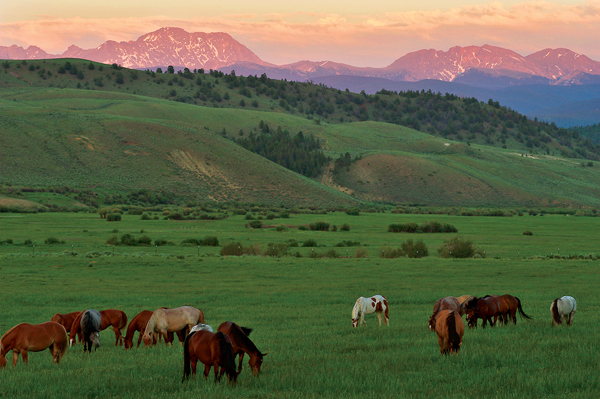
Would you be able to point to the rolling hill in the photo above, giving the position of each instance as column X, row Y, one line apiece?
column 117, row 138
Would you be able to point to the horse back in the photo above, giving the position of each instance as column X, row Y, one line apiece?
column 91, row 321
column 239, row 339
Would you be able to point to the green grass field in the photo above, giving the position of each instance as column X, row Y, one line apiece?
column 300, row 307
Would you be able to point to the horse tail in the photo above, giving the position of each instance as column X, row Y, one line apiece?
column 186, row 357
column 123, row 322
column 386, row 311
column 453, row 335
column 554, row 309
column 246, row 330
column 521, row 310
column 227, row 356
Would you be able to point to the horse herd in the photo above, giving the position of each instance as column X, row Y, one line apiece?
column 446, row 319
column 200, row 342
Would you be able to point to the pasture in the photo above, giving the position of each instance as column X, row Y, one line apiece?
column 300, row 308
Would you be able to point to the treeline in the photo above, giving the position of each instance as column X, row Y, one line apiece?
column 300, row 153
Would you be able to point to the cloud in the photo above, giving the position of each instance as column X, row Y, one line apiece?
column 368, row 40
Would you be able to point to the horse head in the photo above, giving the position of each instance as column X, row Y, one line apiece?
column 147, row 338
column 2, row 358
column 95, row 338
column 128, row 343
column 354, row 323
column 255, row 363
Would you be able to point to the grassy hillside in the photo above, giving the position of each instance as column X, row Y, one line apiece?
column 121, row 137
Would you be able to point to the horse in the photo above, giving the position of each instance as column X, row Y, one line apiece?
column 171, row 320
column 450, row 329
column 26, row 337
column 213, row 350
column 461, row 300
column 242, row 344
column 446, row 303
column 110, row 317
column 565, row 306
column 138, row 323
column 484, row 308
column 91, row 321
column 66, row 320
column 363, row 306
column 509, row 306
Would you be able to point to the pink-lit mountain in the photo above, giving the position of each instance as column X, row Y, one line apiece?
column 174, row 46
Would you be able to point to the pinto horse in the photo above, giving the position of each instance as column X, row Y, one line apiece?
column 213, row 350
column 483, row 308
column 110, row 317
column 164, row 321
column 66, row 320
column 375, row 304
column 90, row 323
column 509, row 306
column 242, row 344
column 138, row 323
column 565, row 306
column 447, row 303
column 450, row 329
column 35, row 338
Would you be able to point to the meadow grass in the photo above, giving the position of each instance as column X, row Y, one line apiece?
column 300, row 311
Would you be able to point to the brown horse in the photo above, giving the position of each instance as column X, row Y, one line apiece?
column 35, row 338
column 450, row 330
column 509, row 306
column 138, row 323
column 242, row 344
column 487, row 308
column 164, row 321
column 446, row 303
column 110, row 317
column 66, row 320
column 213, row 350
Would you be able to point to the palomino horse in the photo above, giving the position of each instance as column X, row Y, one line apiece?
column 450, row 329
column 363, row 306
column 565, row 306
column 242, row 344
column 482, row 308
column 110, row 317
column 509, row 306
column 447, row 303
column 213, row 350
column 138, row 323
column 66, row 320
column 461, row 300
column 35, row 338
column 91, row 320
column 164, row 321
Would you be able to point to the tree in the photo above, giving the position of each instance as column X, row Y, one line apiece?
column 170, row 69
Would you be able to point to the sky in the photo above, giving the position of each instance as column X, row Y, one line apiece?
column 353, row 32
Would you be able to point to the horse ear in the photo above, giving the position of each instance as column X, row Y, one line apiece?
column 265, row 354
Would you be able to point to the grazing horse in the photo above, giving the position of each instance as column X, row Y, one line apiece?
column 242, row 344
column 450, row 329
column 565, row 306
column 461, row 300
column 35, row 338
column 110, row 317
column 66, row 320
column 509, row 306
column 164, row 321
column 91, row 321
column 482, row 308
column 446, row 303
column 213, row 350
column 138, row 323
column 375, row 304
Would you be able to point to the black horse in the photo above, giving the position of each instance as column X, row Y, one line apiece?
column 91, row 321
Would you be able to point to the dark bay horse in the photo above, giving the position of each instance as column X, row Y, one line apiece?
column 242, row 344
column 66, row 320
column 35, row 338
column 450, row 330
column 90, row 324
column 508, row 307
column 487, row 308
column 213, row 350
column 138, row 324
column 447, row 303
column 110, row 317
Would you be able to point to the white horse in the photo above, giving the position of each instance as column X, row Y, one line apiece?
column 565, row 306
column 375, row 304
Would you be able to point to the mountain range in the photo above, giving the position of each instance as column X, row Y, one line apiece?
column 479, row 70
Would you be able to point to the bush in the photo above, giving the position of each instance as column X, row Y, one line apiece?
column 191, row 241
column 403, row 228
column 28, row 242
column 128, row 239
column 113, row 217
column 310, row 243
column 391, row 253
column 281, row 227
column 347, row 244
column 160, row 242
column 276, row 249
column 145, row 216
column 237, row 249
column 361, row 253
column 414, row 250
column 457, row 248
column 210, row 241
column 255, row 224
column 53, row 240
column 144, row 240
column 527, row 233
column 302, row 227
column 113, row 240
column 353, row 211
column 319, row 226
column 249, row 216
column 345, row 227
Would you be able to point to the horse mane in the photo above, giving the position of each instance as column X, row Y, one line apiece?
column 470, row 303
column 227, row 356
column 453, row 336
column 240, row 336
column 554, row 309
column 246, row 330
column 357, row 308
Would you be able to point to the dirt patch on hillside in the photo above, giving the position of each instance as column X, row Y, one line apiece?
column 202, row 168
column 327, row 180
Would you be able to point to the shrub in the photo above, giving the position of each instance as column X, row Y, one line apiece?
column 310, row 243
column 457, row 248
column 302, row 227
column 249, row 216
column 237, row 249
column 191, row 241
column 319, row 226
column 281, row 227
column 53, row 240
column 414, row 250
column 347, row 244
column 210, row 241
column 159, row 242
column 331, row 254
column 28, row 242
column 276, row 249
column 345, row 227
column 255, row 224
column 145, row 216
column 128, row 239
column 353, row 211
column 403, row 228
column 113, row 240
column 391, row 253
column 293, row 243
column 270, row 216
column 527, row 233
column 144, row 240
column 113, row 217
column 361, row 253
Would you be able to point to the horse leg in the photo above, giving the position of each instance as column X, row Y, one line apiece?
column 24, row 355
column 207, row 370
column 441, row 344
column 240, row 362
column 379, row 317
column 217, row 376
column 570, row 321
column 15, row 356
column 164, row 334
